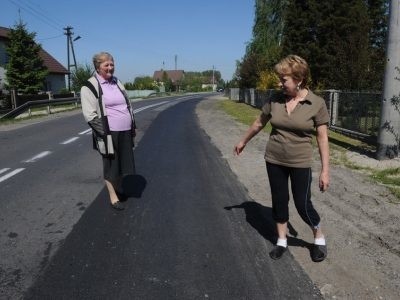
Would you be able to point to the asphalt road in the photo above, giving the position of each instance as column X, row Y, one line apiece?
column 189, row 231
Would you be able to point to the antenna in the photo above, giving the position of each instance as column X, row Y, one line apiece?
column 176, row 61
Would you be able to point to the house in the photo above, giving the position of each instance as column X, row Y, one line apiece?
column 55, row 80
column 176, row 77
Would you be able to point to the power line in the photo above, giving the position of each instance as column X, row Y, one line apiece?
column 50, row 38
column 37, row 14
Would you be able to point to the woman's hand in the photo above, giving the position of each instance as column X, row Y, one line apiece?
column 239, row 148
column 323, row 181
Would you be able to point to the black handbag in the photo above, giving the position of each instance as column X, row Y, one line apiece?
column 97, row 126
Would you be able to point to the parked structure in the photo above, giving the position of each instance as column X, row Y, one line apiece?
column 55, row 81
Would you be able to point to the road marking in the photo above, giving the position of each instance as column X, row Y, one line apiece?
column 148, row 106
column 15, row 172
column 86, row 131
column 36, row 157
column 69, row 140
column 4, row 170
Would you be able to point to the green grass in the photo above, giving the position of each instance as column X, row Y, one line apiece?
column 241, row 112
column 338, row 143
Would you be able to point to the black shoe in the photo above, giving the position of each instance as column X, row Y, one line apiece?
column 117, row 205
column 318, row 253
column 277, row 252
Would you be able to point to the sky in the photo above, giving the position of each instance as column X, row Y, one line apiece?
column 143, row 36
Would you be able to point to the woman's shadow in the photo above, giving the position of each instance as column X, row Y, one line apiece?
column 132, row 186
column 260, row 218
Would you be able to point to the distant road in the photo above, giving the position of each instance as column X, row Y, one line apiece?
column 178, row 239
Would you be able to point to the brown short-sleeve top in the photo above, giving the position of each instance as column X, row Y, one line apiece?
column 290, row 142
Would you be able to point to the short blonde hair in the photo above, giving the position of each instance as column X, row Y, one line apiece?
column 295, row 67
column 101, row 57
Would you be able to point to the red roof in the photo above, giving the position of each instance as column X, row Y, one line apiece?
column 174, row 75
column 49, row 61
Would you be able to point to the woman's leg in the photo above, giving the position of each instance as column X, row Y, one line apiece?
column 300, row 179
column 111, row 192
column 301, row 184
column 278, row 179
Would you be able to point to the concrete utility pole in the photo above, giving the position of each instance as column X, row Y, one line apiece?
column 213, row 80
column 389, row 130
column 70, row 45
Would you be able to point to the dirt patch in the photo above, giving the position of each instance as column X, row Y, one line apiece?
column 360, row 218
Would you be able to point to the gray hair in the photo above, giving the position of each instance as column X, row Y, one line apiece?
column 101, row 57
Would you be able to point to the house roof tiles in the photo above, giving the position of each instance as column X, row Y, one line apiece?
column 174, row 75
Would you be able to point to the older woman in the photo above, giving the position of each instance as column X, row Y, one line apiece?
column 294, row 114
column 107, row 110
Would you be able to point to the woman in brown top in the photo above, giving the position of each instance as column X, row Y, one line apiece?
column 294, row 114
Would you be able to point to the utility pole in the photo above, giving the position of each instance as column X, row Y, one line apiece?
column 389, row 129
column 70, row 45
column 213, row 80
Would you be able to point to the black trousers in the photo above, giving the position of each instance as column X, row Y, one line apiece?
column 300, row 179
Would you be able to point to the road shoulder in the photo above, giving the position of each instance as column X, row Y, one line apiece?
column 359, row 217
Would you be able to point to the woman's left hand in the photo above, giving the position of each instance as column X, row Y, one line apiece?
column 323, row 181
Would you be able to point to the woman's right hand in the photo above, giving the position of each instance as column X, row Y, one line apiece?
column 239, row 148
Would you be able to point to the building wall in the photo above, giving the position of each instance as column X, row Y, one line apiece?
column 55, row 83
column 2, row 78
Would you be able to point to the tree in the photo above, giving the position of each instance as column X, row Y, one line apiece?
column 25, row 71
column 144, row 83
column 351, row 44
column 267, row 30
column 264, row 50
column 81, row 75
column 306, row 30
column 378, row 11
column 333, row 36
column 249, row 69
column 167, row 82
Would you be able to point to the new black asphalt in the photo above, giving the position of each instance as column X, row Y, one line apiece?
column 189, row 231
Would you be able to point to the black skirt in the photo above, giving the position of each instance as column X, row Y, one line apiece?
column 122, row 163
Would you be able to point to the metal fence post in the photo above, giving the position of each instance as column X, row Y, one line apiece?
column 334, row 105
column 50, row 94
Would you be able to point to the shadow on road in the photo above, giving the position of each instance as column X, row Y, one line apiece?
column 132, row 186
column 260, row 218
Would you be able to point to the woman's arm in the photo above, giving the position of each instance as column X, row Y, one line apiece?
column 89, row 104
column 255, row 128
column 323, row 147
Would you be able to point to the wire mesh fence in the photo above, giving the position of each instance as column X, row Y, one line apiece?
column 352, row 113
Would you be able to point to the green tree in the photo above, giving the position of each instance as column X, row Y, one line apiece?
column 333, row 36
column 352, row 28
column 303, row 31
column 267, row 30
column 81, row 75
column 144, row 83
column 25, row 71
column 167, row 82
column 192, row 81
column 378, row 11
column 248, row 70
column 264, row 50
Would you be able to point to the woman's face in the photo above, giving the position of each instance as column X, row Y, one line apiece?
column 106, row 69
column 288, row 85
